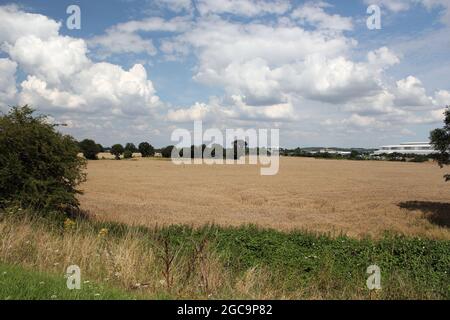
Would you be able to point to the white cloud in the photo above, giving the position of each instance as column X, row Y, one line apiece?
column 8, row 88
column 55, row 59
column 410, row 92
column 247, row 8
column 15, row 23
column 116, row 42
column 313, row 13
column 125, row 37
column 176, row 5
column 404, row 5
column 62, row 77
column 199, row 111
column 442, row 98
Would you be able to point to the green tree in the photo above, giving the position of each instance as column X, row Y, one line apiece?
column 130, row 147
column 39, row 167
column 89, row 149
column 127, row 154
column 167, row 151
column 440, row 140
column 117, row 150
column 146, row 149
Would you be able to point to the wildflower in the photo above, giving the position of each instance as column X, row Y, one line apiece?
column 42, row 282
column 54, row 296
column 69, row 224
column 103, row 232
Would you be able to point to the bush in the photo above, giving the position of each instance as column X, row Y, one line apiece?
column 130, row 147
column 117, row 150
column 127, row 154
column 90, row 149
column 146, row 149
column 167, row 151
column 39, row 167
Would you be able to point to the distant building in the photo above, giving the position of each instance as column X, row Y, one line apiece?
column 158, row 155
column 419, row 148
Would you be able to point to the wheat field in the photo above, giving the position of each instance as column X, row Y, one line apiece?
column 356, row 198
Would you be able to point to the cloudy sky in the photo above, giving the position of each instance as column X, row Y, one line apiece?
column 136, row 70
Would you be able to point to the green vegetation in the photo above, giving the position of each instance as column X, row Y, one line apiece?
column 39, row 167
column 146, row 149
column 117, row 150
column 440, row 139
column 130, row 147
column 90, row 149
column 228, row 262
column 17, row 283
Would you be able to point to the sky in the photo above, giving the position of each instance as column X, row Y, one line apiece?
column 136, row 70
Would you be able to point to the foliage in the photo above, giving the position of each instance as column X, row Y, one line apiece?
column 130, row 147
column 146, row 149
column 127, row 154
column 440, row 140
column 90, row 149
column 117, row 150
column 167, row 152
column 39, row 167
column 17, row 283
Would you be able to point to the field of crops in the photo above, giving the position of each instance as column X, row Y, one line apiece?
column 356, row 198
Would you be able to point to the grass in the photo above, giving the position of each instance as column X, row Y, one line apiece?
column 357, row 198
column 214, row 262
column 18, row 283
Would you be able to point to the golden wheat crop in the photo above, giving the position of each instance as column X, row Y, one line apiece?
column 356, row 198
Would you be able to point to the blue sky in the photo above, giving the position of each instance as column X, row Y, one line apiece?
column 137, row 70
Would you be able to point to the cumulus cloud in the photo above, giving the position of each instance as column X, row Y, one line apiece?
column 297, row 64
column 313, row 13
column 61, row 76
column 247, row 8
column 404, row 5
column 15, row 24
column 8, row 88
column 410, row 92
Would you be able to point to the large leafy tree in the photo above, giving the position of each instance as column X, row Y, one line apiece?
column 39, row 167
column 146, row 149
column 90, row 149
column 440, row 140
column 130, row 147
column 117, row 150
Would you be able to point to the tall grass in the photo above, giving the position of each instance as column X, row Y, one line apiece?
column 215, row 262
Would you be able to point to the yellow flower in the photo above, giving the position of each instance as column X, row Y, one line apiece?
column 69, row 224
column 103, row 232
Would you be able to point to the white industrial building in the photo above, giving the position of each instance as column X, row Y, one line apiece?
column 420, row 148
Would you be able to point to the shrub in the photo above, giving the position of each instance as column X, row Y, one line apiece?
column 90, row 149
column 130, row 147
column 117, row 151
column 167, row 151
column 39, row 167
column 127, row 154
column 146, row 149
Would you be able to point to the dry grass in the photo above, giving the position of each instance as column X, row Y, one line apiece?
column 356, row 198
column 132, row 263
